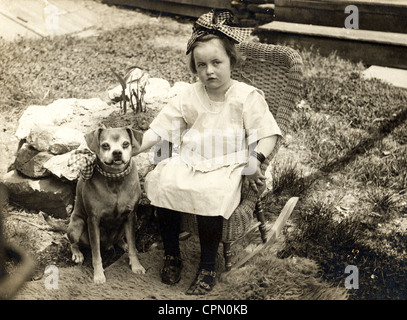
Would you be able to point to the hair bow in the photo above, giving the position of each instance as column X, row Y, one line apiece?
column 217, row 20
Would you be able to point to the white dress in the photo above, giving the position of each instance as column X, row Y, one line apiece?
column 205, row 177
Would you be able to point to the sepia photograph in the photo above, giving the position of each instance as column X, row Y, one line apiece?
column 205, row 156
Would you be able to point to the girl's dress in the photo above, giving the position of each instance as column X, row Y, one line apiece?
column 205, row 177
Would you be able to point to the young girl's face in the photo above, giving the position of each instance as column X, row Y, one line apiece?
column 212, row 64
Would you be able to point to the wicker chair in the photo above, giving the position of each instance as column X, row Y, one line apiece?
column 277, row 71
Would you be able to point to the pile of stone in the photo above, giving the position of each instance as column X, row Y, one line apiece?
column 48, row 135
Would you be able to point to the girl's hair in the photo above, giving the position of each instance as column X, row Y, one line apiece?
column 228, row 44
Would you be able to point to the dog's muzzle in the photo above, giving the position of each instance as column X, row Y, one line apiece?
column 117, row 158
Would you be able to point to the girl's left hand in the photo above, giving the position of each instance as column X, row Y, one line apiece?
column 254, row 180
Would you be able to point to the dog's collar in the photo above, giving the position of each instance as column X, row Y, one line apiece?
column 84, row 161
column 115, row 176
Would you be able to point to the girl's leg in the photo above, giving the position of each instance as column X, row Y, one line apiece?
column 210, row 235
column 169, row 223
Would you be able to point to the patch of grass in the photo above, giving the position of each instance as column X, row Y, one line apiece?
column 41, row 71
column 354, row 130
column 327, row 137
column 385, row 170
column 384, row 203
column 359, row 102
column 319, row 215
column 336, row 243
column 289, row 179
column 320, row 236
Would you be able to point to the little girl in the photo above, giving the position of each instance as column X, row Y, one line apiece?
column 214, row 121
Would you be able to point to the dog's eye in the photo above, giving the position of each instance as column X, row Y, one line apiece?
column 126, row 144
column 105, row 146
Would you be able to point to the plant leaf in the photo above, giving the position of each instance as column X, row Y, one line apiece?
column 121, row 80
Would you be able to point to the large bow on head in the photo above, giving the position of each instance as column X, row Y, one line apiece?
column 217, row 20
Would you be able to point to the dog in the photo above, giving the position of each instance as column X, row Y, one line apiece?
column 106, row 204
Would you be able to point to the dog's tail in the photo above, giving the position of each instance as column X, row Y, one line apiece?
column 58, row 226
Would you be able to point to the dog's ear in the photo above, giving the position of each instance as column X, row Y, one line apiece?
column 92, row 140
column 136, row 139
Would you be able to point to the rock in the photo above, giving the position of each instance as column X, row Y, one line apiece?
column 157, row 91
column 49, row 194
column 137, row 80
column 143, row 164
column 53, row 114
column 116, row 92
column 80, row 114
column 58, row 166
column 57, row 140
column 30, row 162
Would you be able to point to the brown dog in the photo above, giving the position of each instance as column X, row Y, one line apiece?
column 105, row 204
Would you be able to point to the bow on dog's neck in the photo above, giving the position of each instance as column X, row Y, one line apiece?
column 83, row 162
column 115, row 176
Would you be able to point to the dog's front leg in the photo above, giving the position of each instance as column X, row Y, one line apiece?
column 136, row 267
column 94, row 239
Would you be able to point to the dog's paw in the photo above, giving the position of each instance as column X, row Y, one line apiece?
column 136, row 267
column 99, row 278
column 77, row 257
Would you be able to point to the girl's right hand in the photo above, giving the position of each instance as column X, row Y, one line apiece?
column 254, row 180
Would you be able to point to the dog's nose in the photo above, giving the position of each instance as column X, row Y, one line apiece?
column 117, row 154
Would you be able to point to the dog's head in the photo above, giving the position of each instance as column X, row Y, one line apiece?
column 114, row 147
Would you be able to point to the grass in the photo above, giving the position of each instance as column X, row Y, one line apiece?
column 354, row 133
column 289, row 179
column 40, row 71
column 349, row 140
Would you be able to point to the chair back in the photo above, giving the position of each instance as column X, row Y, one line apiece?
column 277, row 71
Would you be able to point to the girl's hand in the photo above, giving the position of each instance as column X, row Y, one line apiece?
column 254, row 180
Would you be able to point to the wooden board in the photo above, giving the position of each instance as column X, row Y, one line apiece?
column 203, row 3
column 188, row 8
column 15, row 28
column 396, row 77
column 273, row 234
column 389, row 16
column 369, row 47
column 338, row 33
column 29, row 14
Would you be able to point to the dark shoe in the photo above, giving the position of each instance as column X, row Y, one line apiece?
column 203, row 283
column 171, row 271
